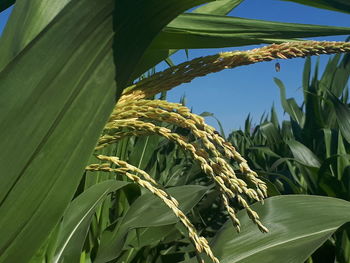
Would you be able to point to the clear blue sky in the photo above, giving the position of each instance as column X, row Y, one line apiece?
column 232, row 94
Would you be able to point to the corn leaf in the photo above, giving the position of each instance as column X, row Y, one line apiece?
column 298, row 225
column 219, row 7
column 46, row 103
column 303, row 155
column 17, row 35
column 211, row 31
column 77, row 218
column 131, row 41
column 214, row 30
column 58, row 89
column 148, row 211
column 342, row 112
column 289, row 105
column 152, row 57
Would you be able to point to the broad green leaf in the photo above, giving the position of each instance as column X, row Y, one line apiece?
column 248, row 124
column 341, row 77
column 70, row 90
column 57, row 87
column 342, row 112
column 327, row 134
column 209, row 114
column 192, row 30
column 143, row 150
column 328, row 75
column 286, row 130
column 297, row 224
column 289, row 105
column 266, row 150
column 152, row 57
column 77, row 218
column 219, row 7
column 302, row 154
column 306, row 77
column 334, row 5
column 274, row 117
column 136, row 24
column 143, row 211
column 297, row 113
column 148, row 211
column 149, row 235
column 37, row 15
column 271, row 133
column 342, row 162
column 215, row 30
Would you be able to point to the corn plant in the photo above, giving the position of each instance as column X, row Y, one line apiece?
column 72, row 87
column 310, row 152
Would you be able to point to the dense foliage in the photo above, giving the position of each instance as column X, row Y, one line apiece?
column 309, row 153
column 77, row 186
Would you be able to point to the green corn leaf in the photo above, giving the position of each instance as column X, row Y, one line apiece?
column 153, row 57
column 143, row 150
column 58, row 83
column 266, row 150
column 289, row 105
column 219, row 7
column 150, row 235
column 303, row 155
column 342, row 112
column 212, row 31
column 341, row 77
column 334, row 5
column 342, row 162
column 77, row 218
column 46, row 103
column 271, row 133
column 152, row 15
column 328, row 75
column 17, row 35
column 148, row 211
column 306, row 77
column 221, row 128
column 274, row 117
column 298, row 225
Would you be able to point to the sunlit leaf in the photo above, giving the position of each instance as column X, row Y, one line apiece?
column 297, row 224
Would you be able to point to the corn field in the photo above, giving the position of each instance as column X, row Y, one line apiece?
column 94, row 168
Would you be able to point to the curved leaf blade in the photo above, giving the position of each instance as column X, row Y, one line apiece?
column 148, row 211
column 193, row 30
column 303, row 155
column 46, row 103
column 218, row 7
column 298, row 225
column 129, row 23
column 17, row 35
column 77, row 218
column 342, row 113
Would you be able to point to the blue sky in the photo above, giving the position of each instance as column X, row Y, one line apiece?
column 233, row 94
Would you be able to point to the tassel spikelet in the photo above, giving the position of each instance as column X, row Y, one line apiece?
column 200, row 243
column 133, row 119
column 181, row 116
column 202, row 66
column 135, row 116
